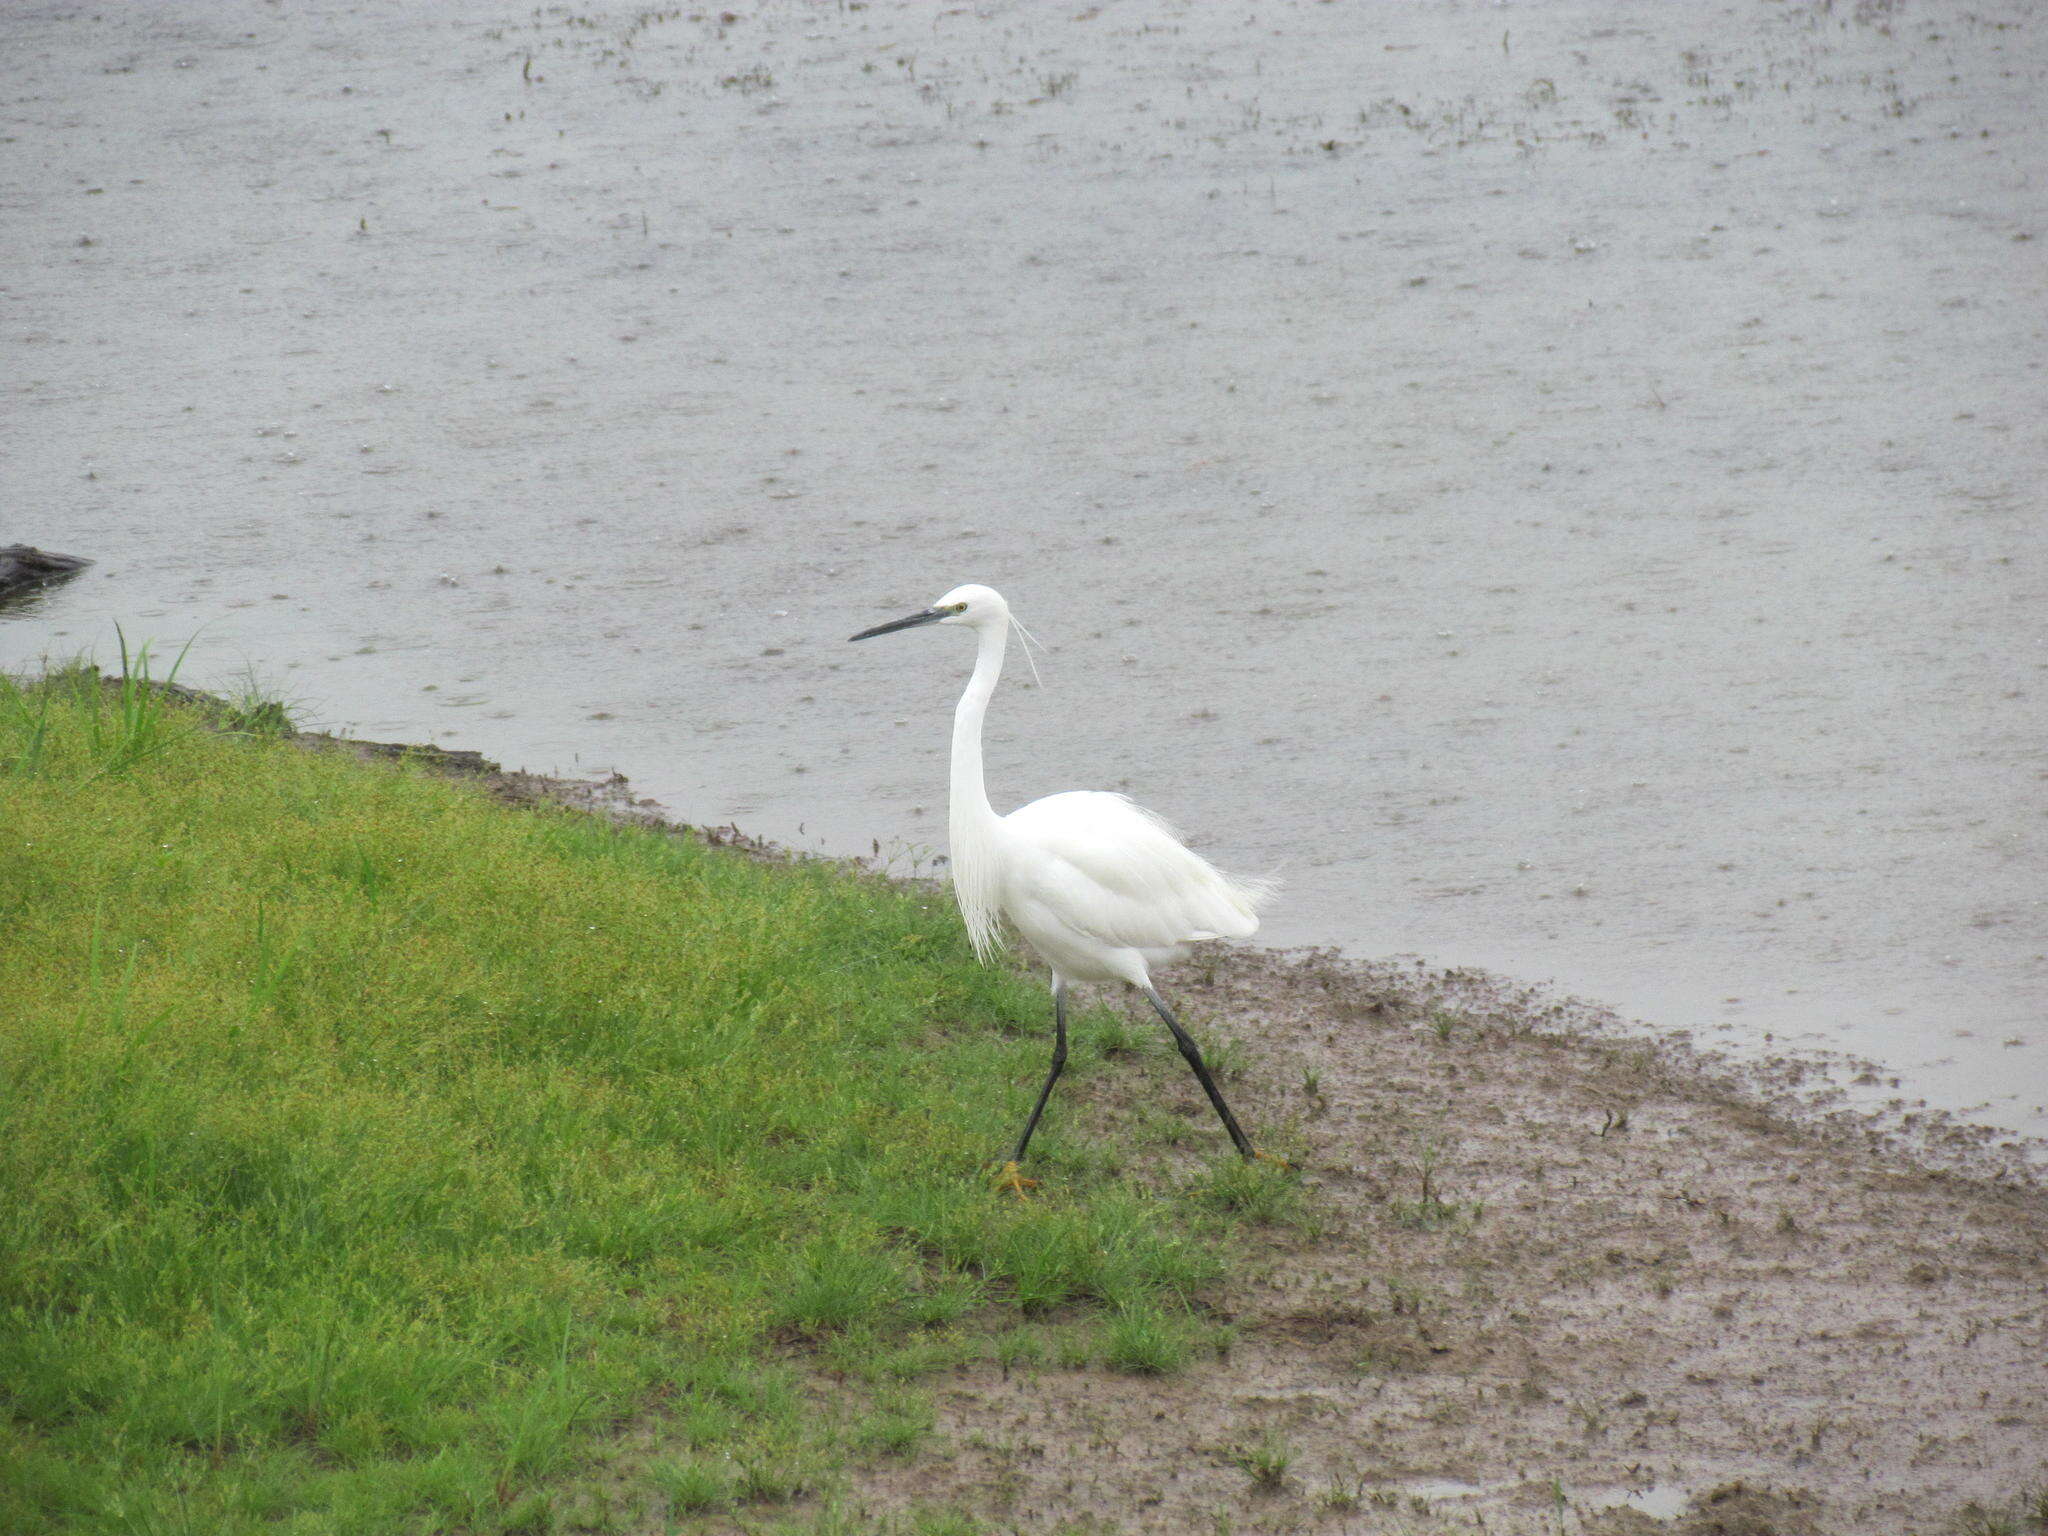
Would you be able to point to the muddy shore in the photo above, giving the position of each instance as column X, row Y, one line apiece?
column 1552, row 1275
column 1557, row 1280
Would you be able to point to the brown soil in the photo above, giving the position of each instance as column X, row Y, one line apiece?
column 1635, row 1294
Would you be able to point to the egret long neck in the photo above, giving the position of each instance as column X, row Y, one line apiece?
column 971, row 826
column 970, row 809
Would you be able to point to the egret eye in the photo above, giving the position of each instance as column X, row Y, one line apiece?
column 957, row 608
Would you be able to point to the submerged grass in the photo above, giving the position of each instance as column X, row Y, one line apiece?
column 368, row 1151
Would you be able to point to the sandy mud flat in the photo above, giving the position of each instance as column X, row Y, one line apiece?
column 1555, row 1282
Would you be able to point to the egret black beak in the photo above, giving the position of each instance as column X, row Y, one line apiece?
column 929, row 616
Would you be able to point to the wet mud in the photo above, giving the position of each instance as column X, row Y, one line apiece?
column 1552, row 1281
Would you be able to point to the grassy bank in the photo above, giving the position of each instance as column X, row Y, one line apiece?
column 372, row 1154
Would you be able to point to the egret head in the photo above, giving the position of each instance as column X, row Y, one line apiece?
column 972, row 604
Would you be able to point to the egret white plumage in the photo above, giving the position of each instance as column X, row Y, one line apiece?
column 1098, row 887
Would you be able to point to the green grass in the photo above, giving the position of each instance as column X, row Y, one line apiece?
column 1146, row 1339
column 1265, row 1460
column 371, row 1155
column 1264, row 1191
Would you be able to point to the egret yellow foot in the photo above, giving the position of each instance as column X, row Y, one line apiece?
column 1012, row 1178
column 1267, row 1157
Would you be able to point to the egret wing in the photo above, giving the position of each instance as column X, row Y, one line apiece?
column 1114, row 871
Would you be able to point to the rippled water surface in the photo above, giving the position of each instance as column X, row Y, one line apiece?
column 1560, row 483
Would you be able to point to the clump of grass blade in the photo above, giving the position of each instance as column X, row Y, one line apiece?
column 691, row 1486
column 1262, row 1190
column 1144, row 1339
column 1265, row 1460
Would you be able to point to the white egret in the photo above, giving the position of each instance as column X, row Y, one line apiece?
column 1099, row 888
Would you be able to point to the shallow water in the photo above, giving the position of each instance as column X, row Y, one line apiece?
column 1659, row 1501
column 1557, row 482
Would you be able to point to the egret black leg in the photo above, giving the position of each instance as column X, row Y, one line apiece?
column 1059, row 1062
column 1193, row 1055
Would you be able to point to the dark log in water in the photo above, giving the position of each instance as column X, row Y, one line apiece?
column 23, row 566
